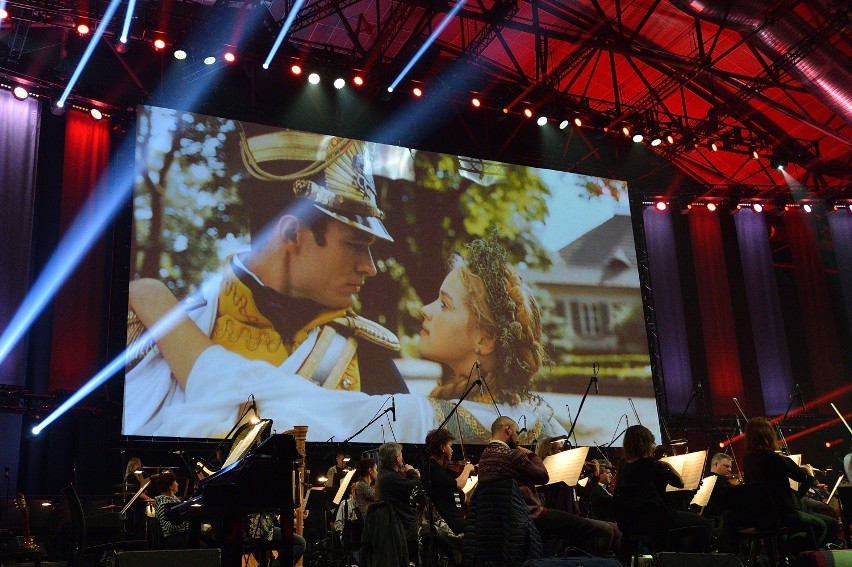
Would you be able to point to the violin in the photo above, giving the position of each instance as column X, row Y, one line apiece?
column 457, row 467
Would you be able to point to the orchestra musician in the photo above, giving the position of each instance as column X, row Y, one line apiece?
column 175, row 535
column 763, row 464
column 583, row 531
column 338, row 470
column 639, row 469
column 396, row 482
column 847, row 466
column 444, row 490
column 366, row 474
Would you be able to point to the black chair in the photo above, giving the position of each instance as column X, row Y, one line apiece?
column 758, row 521
column 499, row 529
column 81, row 552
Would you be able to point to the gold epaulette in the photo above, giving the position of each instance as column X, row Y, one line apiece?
column 369, row 330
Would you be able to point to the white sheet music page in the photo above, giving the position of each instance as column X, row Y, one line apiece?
column 566, row 466
column 702, row 497
column 471, row 482
column 344, row 484
column 689, row 466
column 798, row 460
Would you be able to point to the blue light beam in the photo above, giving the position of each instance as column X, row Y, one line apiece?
column 125, row 30
column 429, row 41
column 284, row 29
column 90, row 222
column 110, row 12
column 160, row 328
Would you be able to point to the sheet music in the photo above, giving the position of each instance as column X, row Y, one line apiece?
column 240, row 449
column 798, row 460
column 566, row 466
column 833, row 490
column 702, row 496
column 690, row 467
column 344, row 484
column 470, row 484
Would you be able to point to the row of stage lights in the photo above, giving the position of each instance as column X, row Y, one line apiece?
column 756, row 206
column 655, row 139
column 21, row 93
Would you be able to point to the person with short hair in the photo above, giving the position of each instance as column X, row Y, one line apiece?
column 444, row 490
column 312, row 230
column 338, row 470
column 175, row 535
column 366, row 474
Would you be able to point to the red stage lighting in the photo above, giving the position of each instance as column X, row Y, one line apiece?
column 159, row 44
column 358, row 80
column 83, row 29
column 758, row 208
column 416, row 91
column 96, row 114
column 578, row 122
column 807, row 208
column 3, row 14
column 475, row 102
column 528, row 113
column 296, row 70
column 711, row 207
column 229, row 57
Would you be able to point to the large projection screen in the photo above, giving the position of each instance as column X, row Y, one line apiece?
column 197, row 207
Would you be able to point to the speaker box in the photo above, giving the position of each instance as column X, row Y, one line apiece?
column 839, row 558
column 170, row 558
column 698, row 560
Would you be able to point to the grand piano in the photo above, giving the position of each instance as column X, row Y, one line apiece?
column 251, row 481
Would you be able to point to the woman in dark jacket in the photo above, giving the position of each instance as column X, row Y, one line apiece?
column 762, row 464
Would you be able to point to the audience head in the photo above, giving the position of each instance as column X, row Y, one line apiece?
column 760, row 435
column 638, row 442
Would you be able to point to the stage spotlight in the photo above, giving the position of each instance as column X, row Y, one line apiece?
column 563, row 124
column 656, row 140
column 527, row 112
column 778, row 162
column 58, row 109
column 626, row 131
column 754, row 153
column 3, row 14
column 121, row 46
column 660, row 206
column 578, row 122
column 358, row 80
column 542, row 120
column 209, row 60
column 96, row 114
column 711, row 207
column 83, row 29
column 757, row 207
column 637, row 137
column 296, row 70
column 669, row 138
column 475, row 102
column 807, row 208
column 339, row 83
column 712, row 146
column 229, row 57
column 180, row 54
column 314, row 79
column 417, row 92
column 20, row 93
column 159, row 44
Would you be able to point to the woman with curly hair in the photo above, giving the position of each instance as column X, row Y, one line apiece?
column 485, row 315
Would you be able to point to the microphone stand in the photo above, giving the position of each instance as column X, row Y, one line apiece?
column 781, row 438
column 432, row 557
column 369, row 423
column 682, row 417
column 592, row 380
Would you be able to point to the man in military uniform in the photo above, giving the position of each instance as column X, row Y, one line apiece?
column 313, row 220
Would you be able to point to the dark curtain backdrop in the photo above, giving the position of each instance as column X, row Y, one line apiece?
column 840, row 223
column 668, row 308
column 764, row 307
column 819, row 328
column 714, row 300
column 78, row 316
column 19, row 127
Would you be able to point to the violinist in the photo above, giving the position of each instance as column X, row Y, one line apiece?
column 444, row 490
